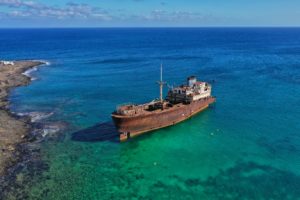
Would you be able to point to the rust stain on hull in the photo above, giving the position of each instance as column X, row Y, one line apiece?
column 131, row 126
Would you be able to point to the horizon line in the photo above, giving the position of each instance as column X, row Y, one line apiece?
column 145, row 27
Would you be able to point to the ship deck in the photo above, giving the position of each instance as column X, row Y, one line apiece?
column 147, row 112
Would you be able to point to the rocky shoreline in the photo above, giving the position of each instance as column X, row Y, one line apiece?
column 14, row 130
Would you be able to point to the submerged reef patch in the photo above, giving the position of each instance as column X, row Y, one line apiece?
column 245, row 180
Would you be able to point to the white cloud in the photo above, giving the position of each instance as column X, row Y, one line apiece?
column 174, row 16
column 17, row 3
column 16, row 13
column 29, row 9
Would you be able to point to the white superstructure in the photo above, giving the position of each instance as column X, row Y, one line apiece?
column 194, row 90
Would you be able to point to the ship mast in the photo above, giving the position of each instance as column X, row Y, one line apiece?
column 161, row 84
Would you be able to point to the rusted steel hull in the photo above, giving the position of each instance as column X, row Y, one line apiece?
column 130, row 126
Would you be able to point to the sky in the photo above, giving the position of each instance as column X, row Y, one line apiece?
column 148, row 13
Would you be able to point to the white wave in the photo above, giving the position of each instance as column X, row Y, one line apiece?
column 36, row 116
column 50, row 129
column 43, row 61
column 31, row 70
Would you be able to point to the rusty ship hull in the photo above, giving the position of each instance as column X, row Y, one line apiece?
column 131, row 126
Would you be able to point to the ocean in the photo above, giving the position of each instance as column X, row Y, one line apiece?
column 245, row 146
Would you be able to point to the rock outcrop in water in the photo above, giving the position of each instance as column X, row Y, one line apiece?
column 13, row 129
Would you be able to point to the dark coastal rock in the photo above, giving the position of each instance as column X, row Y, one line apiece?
column 14, row 130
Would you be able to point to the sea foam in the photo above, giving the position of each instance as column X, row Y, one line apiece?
column 43, row 61
column 50, row 129
column 36, row 116
column 29, row 72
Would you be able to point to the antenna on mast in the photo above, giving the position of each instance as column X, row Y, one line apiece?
column 161, row 83
column 161, row 72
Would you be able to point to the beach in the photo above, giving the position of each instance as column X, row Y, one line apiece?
column 13, row 129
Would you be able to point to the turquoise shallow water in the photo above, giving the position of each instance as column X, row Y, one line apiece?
column 245, row 146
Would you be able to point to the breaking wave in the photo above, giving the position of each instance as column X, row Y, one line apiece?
column 43, row 61
column 29, row 72
column 51, row 129
column 43, row 127
column 36, row 116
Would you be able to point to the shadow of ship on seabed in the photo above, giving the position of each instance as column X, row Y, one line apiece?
column 100, row 132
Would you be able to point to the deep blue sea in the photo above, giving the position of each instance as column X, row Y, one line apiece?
column 245, row 146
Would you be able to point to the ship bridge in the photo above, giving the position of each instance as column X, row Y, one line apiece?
column 192, row 91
